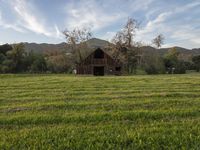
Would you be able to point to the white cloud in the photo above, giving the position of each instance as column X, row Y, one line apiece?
column 27, row 18
column 108, row 36
column 188, row 35
column 100, row 14
column 139, row 4
column 155, row 24
column 89, row 14
column 58, row 33
column 12, row 26
column 187, row 7
column 173, row 27
column 9, row 26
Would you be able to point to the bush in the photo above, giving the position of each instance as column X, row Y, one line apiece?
column 196, row 61
column 151, row 69
column 180, row 68
column 38, row 65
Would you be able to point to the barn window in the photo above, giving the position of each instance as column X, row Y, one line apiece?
column 99, row 54
column 118, row 69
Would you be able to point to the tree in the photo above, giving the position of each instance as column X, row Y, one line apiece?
column 58, row 61
column 189, row 65
column 2, row 58
column 180, row 67
column 34, row 62
column 158, row 41
column 5, row 48
column 77, row 40
column 153, row 63
column 28, row 60
column 38, row 63
column 196, row 61
column 171, row 59
column 15, row 58
column 172, row 62
column 128, row 32
column 7, row 66
column 125, row 47
column 125, row 37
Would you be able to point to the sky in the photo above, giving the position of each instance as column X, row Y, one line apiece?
column 43, row 21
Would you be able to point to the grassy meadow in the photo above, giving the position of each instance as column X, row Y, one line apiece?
column 114, row 112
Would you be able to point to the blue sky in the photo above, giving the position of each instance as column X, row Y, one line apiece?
column 43, row 21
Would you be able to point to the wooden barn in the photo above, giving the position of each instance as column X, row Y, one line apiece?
column 99, row 63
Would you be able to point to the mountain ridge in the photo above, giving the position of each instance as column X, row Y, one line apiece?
column 95, row 42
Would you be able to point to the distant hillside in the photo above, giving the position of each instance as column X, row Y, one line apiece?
column 185, row 54
column 40, row 48
column 163, row 51
column 94, row 42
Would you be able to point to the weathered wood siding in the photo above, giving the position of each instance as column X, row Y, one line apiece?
column 109, row 64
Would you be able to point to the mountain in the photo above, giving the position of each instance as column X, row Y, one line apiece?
column 185, row 54
column 196, row 51
column 94, row 43
column 163, row 51
column 40, row 48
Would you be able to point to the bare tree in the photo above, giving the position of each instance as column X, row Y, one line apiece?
column 76, row 39
column 125, row 37
column 124, row 45
column 158, row 41
column 118, row 46
column 129, row 32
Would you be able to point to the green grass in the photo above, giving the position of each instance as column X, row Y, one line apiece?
column 68, row 112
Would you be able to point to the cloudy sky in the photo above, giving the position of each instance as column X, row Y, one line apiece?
column 43, row 21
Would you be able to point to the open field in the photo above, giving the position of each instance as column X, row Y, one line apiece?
column 67, row 112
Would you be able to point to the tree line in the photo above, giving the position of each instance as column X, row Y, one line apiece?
column 14, row 59
column 123, row 47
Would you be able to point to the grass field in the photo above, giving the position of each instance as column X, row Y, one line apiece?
column 68, row 112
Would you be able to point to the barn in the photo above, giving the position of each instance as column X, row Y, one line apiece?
column 99, row 63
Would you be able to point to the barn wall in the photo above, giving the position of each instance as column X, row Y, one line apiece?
column 86, row 67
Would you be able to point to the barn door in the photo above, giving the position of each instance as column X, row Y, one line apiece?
column 98, row 71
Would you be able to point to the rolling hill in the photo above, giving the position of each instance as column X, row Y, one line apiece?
column 94, row 42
